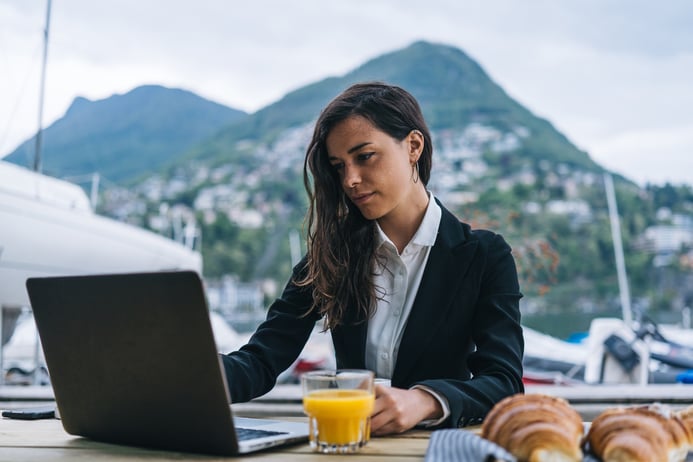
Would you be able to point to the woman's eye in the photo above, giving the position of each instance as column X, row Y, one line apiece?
column 337, row 167
column 366, row 155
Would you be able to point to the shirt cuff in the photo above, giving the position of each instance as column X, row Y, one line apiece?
column 428, row 423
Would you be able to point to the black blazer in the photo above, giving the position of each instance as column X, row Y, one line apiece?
column 463, row 337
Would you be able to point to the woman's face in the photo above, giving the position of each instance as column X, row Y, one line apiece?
column 375, row 169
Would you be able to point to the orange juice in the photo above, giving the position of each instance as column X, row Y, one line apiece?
column 341, row 417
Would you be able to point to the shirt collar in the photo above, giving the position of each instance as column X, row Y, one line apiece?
column 428, row 229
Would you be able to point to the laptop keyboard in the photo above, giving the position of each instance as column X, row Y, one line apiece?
column 251, row 433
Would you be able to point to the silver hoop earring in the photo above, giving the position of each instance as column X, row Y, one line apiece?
column 415, row 172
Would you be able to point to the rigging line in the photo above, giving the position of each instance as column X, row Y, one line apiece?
column 37, row 157
column 623, row 289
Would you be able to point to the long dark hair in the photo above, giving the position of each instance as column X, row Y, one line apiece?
column 341, row 257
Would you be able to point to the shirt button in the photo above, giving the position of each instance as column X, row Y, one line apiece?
column 384, row 355
column 396, row 313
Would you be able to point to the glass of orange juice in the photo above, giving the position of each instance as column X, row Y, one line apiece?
column 339, row 404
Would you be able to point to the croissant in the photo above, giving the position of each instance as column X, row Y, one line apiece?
column 535, row 428
column 639, row 434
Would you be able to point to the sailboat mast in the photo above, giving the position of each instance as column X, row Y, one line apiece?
column 39, row 132
column 623, row 289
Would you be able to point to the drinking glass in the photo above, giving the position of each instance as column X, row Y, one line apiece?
column 339, row 404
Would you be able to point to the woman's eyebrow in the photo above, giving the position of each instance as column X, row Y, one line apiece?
column 358, row 146
column 352, row 150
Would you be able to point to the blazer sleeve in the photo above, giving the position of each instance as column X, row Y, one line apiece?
column 496, row 360
column 253, row 370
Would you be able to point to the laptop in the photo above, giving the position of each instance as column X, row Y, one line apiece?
column 132, row 360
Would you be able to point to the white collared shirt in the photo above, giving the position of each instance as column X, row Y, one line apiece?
column 397, row 279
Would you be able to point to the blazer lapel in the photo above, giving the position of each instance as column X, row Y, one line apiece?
column 447, row 263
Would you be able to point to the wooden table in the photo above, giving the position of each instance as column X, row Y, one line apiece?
column 45, row 440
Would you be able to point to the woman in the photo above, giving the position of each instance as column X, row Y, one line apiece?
column 405, row 288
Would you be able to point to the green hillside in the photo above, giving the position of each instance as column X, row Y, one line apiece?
column 126, row 136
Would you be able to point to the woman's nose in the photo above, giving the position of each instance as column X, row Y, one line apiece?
column 351, row 177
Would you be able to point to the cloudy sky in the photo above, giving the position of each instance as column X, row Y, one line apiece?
column 615, row 76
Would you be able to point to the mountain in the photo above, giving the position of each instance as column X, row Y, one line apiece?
column 453, row 90
column 152, row 127
column 126, row 136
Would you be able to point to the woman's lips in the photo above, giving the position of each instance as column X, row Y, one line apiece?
column 361, row 198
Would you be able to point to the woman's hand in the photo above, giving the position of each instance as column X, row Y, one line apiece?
column 397, row 410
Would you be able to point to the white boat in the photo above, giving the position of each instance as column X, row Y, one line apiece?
column 49, row 229
column 611, row 353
